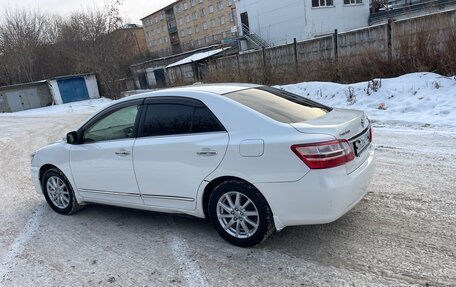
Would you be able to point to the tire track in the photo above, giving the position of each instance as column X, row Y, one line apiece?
column 18, row 245
column 189, row 267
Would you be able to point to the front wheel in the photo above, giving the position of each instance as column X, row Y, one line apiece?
column 240, row 213
column 58, row 192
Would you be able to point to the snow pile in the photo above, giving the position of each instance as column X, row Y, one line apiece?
column 88, row 106
column 424, row 99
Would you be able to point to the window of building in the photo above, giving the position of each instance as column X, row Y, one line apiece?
column 206, row 39
column 161, row 16
column 195, row 15
column 222, row 20
column 349, row 2
column 182, row 33
column 181, row 22
column 204, row 26
column 211, row 8
column 166, row 39
column 215, row 37
column 177, row 8
column 203, row 12
column 231, row 16
column 198, row 41
column 189, row 31
column 193, row 2
column 212, row 23
column 197, row 29
column 185, row 5
column 187, row 19
column 229, row 2
column 164, row 28
column 220, row 5
column 200, row 1
column 322, row 3
column 156, row 19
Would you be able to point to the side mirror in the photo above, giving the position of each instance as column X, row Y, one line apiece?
column 72, row 137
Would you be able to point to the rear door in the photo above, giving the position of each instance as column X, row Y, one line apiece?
column 180, row 143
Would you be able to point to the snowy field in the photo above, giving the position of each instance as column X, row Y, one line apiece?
column 401, row 234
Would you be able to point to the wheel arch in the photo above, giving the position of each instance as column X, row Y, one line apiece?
column 45, row 168
column 209, row 188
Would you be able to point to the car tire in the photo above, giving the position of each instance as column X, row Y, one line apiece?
column 58, row 192
column 240, row 213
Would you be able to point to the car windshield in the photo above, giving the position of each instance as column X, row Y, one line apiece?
column 279, row 105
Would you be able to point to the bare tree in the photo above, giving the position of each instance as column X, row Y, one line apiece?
column 35, row 46
column 22, row 33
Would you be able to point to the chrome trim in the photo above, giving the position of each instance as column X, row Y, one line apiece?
column 168, row 197
column 109, row 192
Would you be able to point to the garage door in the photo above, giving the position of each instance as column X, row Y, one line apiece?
column 72, row 90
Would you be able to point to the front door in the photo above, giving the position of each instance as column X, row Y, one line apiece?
column 245, row 23
column 102, row 165
column 180, row 144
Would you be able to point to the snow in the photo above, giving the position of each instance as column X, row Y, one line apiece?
column 88, row 106
column 423, row 99
column 400, row 234
column 196, row 57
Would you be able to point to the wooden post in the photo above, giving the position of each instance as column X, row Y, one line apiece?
column 265, row 77
column 389, row 39
column 336, row 54
column 238, row 66
column 295, row 51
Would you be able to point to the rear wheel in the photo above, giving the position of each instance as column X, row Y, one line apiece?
column 240, row 214
column 58, row 192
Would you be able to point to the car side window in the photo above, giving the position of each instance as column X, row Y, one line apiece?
column 167, row 119
column 204, row 121
column 117, row 125
column 175, row 119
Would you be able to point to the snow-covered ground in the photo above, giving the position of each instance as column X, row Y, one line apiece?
column 418, row 99
column 88, row 106
column 400, row 234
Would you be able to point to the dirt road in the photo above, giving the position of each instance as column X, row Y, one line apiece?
column 402, row 233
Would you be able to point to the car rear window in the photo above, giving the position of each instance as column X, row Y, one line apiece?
column 279, row 105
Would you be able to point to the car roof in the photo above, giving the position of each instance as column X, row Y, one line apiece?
column 219, row 89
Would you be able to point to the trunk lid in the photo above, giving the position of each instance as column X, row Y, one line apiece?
column 351, row 125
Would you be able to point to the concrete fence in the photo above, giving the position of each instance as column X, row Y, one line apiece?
column 327, row 54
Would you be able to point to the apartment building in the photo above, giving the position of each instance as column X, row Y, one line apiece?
column 189, row 24
column 272, row 22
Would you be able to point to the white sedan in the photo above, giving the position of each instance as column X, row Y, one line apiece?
column 252, row 159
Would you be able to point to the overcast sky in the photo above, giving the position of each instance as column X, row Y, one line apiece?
column 132, row 10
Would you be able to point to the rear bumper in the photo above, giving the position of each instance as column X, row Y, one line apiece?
column 321, row 196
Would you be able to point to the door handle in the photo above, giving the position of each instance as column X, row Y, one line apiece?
column 122, row 152
column 207, row 152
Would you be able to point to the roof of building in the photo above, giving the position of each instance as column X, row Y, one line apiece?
column 161, row 9
column 22, row 85
column 37, row 83
column 197, row 57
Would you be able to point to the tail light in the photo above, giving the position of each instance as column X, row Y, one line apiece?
column 324, row 154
